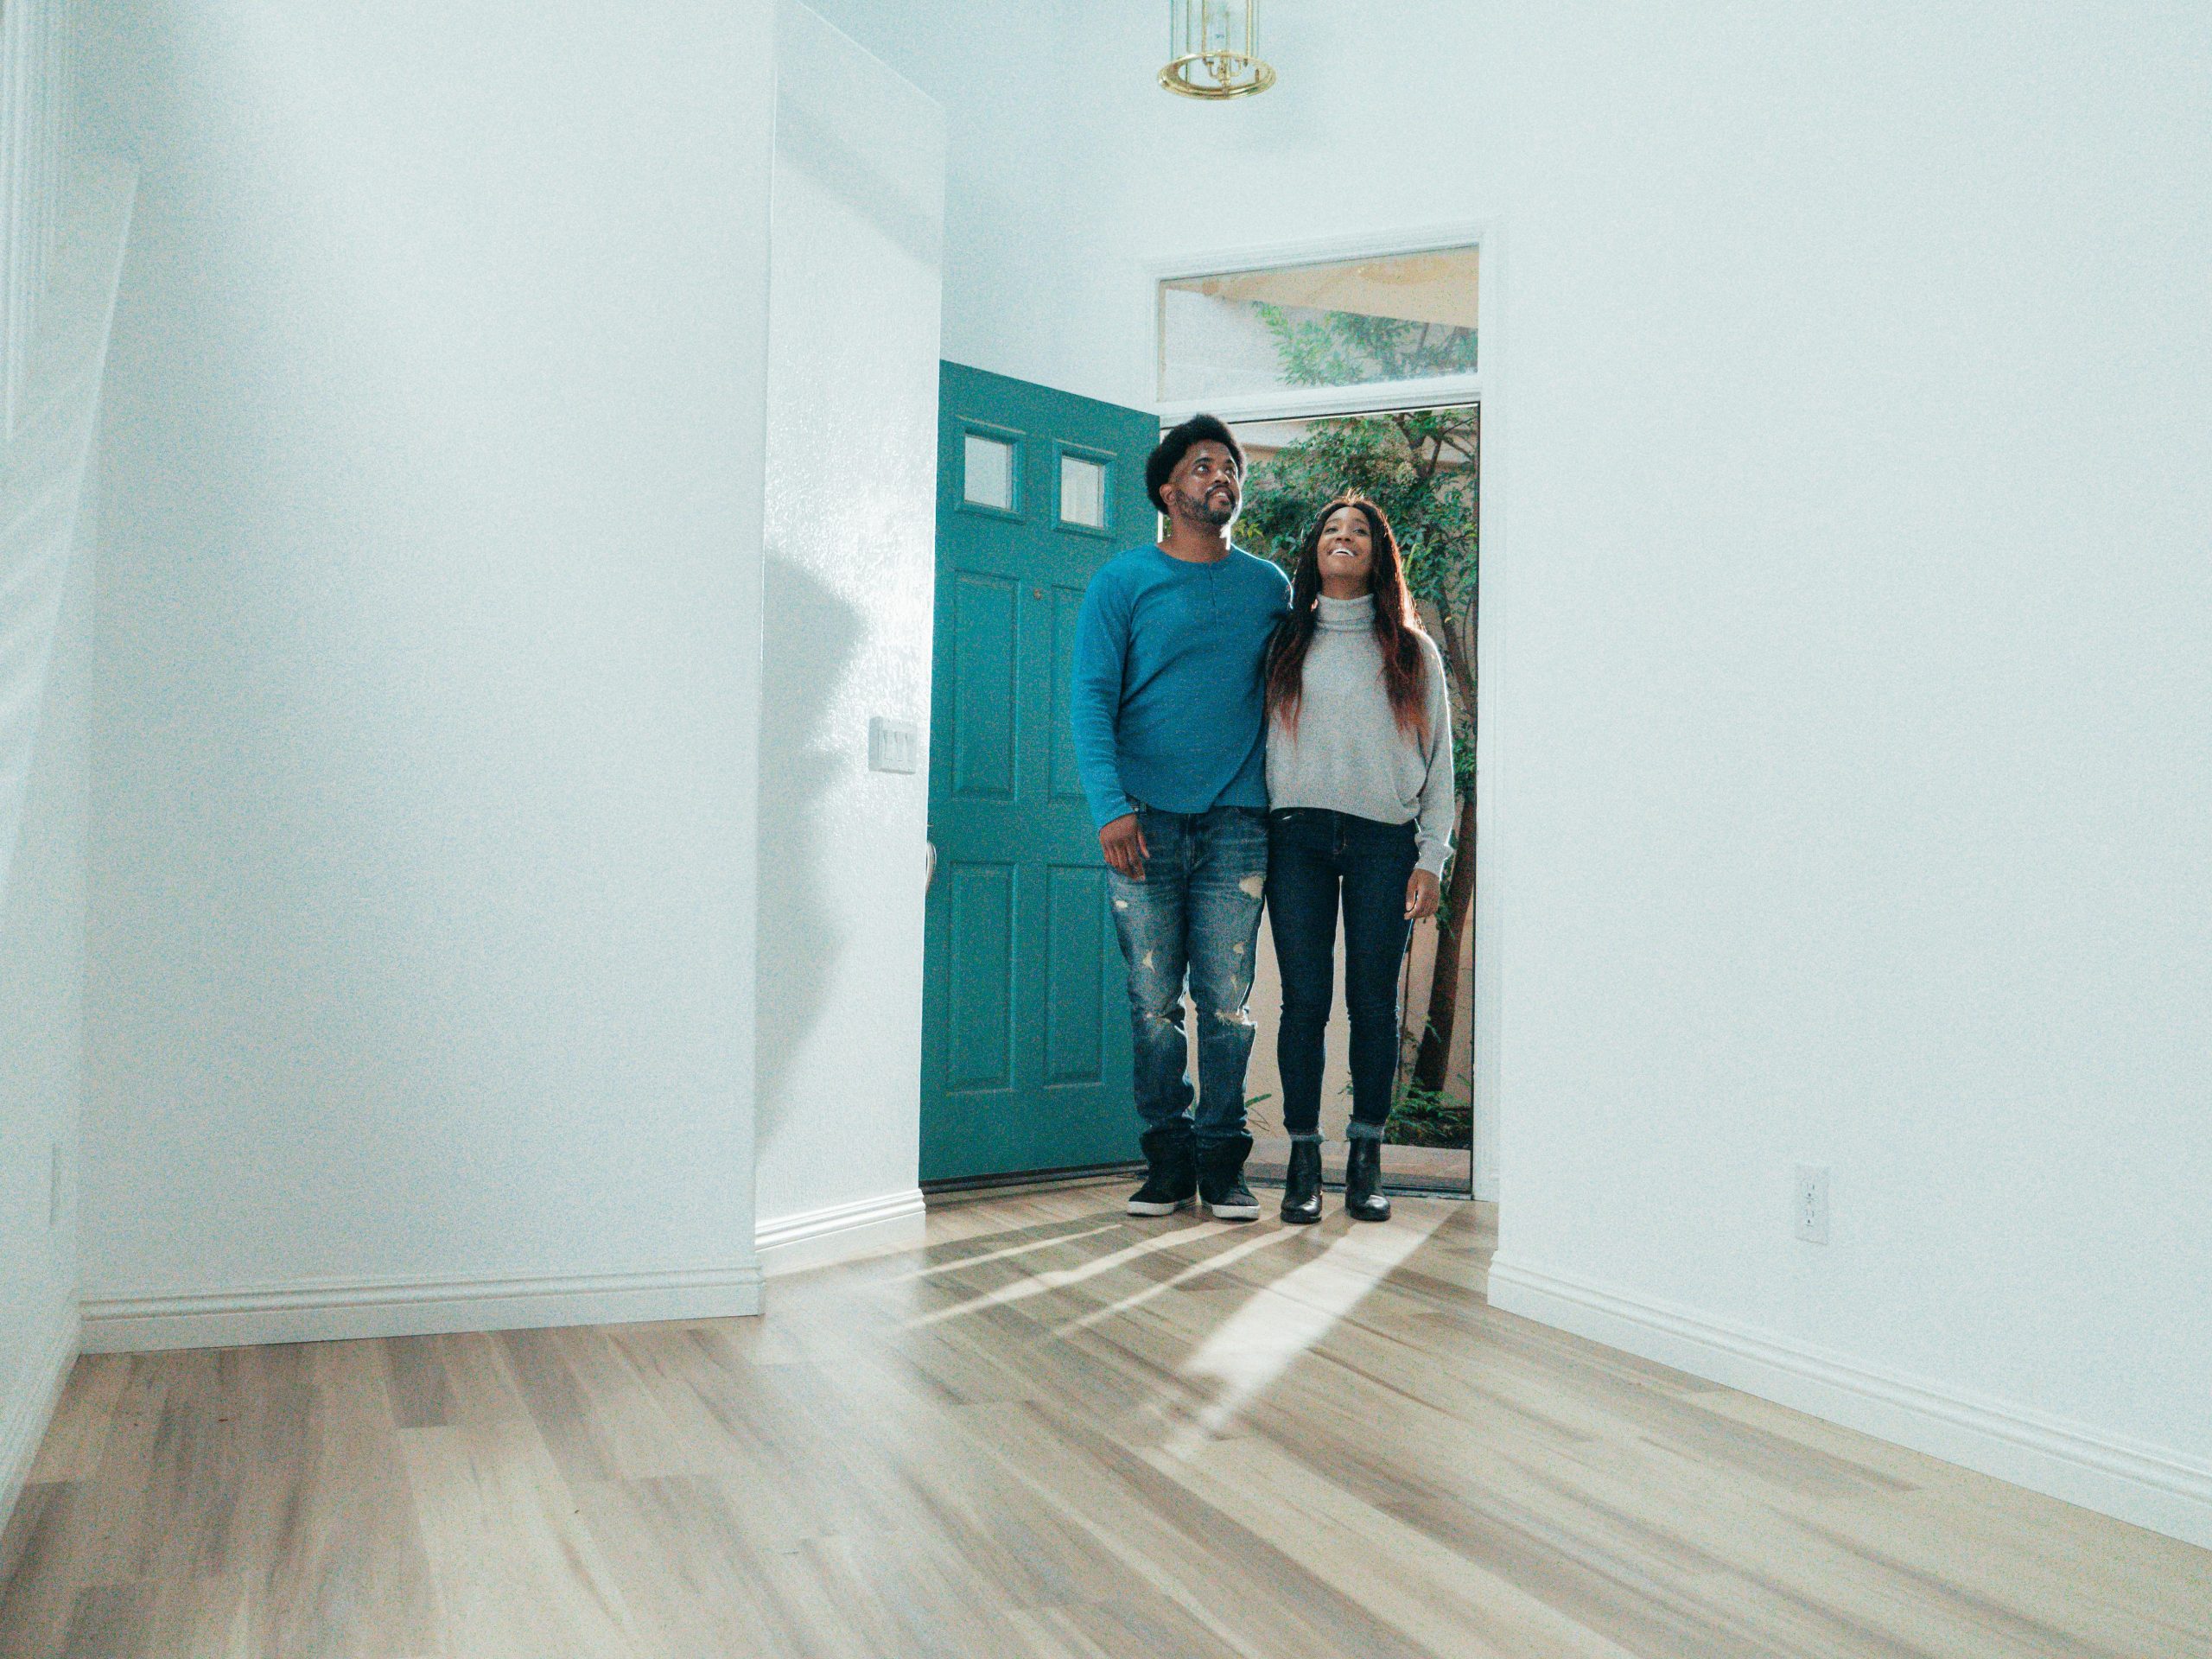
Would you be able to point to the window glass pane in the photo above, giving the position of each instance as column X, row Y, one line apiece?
column 988, row 478
column 1406, row 316
column 1083, row 492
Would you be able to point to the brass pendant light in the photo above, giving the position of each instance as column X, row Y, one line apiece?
column 1211, row 51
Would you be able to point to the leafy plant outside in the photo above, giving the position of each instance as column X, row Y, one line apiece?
column 1429, row 1118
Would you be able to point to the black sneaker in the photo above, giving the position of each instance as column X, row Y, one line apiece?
column 1221, row 1180
column 1171, row 1174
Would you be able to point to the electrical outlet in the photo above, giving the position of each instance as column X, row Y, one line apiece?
column 52, row 1186
column 1808, row 1203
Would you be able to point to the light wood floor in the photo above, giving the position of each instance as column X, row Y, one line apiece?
column 1052, row 1432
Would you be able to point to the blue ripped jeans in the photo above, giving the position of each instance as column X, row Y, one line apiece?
column 1196, row 912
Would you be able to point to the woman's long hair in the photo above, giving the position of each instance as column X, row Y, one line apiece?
column 1398, row 631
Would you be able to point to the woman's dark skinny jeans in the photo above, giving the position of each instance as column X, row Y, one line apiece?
column 1314, row 857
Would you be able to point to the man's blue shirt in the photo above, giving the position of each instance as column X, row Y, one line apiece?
column 1167, row 701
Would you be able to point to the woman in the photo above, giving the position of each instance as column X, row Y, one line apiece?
column 1360, row 810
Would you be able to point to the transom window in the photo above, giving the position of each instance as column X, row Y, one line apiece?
column 1345, row 322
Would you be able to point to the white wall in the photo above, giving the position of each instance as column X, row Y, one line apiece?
column 851, row 534
column 1858, row 462
column 46, row 631
column 1003, row 77
column 42, row 995
column 426, row 712
column 1847, row 483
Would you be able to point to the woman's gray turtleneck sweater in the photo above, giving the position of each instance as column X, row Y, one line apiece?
column 1348, row 754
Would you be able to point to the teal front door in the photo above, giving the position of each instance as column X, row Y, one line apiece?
column 1025, row 1021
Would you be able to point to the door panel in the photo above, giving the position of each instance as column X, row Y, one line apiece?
column 1067, row 782
column 1075, row 907
column 1025, row 1037
column 981, row 958
column 985, row 656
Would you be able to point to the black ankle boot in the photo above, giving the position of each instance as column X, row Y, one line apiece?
column 1363, row 1199
column 1171, row 1173
column 1221, row 1180
column 1302, row 1183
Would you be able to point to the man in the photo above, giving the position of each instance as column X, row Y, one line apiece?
column 1170, row 738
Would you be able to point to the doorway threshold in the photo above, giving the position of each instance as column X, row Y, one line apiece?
column 967, row 1187
column 1433, row 1171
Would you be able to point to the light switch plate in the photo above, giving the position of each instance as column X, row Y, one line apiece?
column 893, row 745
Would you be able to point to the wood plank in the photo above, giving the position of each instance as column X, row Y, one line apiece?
column 1026, row 1437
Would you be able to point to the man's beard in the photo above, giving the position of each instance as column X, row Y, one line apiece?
column 1201, row 508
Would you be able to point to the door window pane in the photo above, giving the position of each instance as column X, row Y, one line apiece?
column 1083, row 492
column 1349, row 322
column 987, row 480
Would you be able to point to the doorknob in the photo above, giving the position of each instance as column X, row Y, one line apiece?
column 928, row 871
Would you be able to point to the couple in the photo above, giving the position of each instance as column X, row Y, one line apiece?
column 1243, row 738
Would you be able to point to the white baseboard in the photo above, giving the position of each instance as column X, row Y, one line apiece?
column 25, row 1423
column 2150, row 1486
column 839, row 1232
column 339, row 1312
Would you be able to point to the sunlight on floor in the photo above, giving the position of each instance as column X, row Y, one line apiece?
column 1022, row 1289
column 1213, row 1264
column 1034, row 1245
column 1282, row 1320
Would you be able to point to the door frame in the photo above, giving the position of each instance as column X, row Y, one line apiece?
column 1481, row 387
